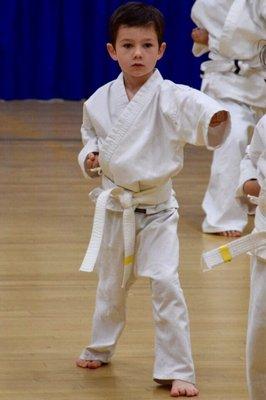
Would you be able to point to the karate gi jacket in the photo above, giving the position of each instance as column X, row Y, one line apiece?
column 141, row 141
column 140, row 144
column 237, row 34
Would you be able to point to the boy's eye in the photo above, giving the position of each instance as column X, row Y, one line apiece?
column 127, row 45
column 147, row 45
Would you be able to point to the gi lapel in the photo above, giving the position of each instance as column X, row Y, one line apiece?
column 130, row 113
column 237, row 8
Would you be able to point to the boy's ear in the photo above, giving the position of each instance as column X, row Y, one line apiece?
column 111, row 51
column 161, row 50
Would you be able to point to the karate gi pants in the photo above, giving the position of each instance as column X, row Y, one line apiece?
column 222, row 211
column 156, row 257
column 256, row 336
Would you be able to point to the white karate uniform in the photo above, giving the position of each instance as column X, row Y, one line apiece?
column 140, row 144
column 254, row 166
column 235, row 76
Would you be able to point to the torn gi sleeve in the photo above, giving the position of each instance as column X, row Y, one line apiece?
column 199, row 49
column 193, row 113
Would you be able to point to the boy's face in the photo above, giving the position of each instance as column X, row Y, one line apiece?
column 136, row 50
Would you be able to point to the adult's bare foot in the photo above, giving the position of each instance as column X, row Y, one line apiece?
column 230, row 233
column 183, row 388
column 91, row 364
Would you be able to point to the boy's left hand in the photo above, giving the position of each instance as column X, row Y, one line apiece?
column 218, row 118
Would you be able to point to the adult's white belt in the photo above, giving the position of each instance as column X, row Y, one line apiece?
column 249, row 243
column 129, row 201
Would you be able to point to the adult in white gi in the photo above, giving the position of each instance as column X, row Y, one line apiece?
column 234, row 33
column 253, row 167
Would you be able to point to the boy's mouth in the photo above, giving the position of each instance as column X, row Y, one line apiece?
column 137, row 65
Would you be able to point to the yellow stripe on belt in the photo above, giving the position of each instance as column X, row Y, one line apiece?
column 128, row 260
column 225, row 253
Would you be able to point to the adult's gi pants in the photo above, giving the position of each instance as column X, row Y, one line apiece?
column 222, row 211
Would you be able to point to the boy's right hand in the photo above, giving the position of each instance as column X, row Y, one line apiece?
column 91, row 162
column 200, row 35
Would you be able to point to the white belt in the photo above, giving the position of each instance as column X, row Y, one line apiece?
column 128, row 200
column 252, row 243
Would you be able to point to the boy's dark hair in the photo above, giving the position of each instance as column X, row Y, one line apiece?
column 136, row 14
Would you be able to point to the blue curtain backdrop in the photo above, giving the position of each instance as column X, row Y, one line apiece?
column 56, row 48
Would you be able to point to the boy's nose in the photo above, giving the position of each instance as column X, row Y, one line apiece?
column 138, row 52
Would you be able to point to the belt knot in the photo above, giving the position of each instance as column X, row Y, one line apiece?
column 125, row 199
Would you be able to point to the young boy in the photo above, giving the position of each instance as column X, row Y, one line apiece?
column 253, row 183
column 134, row 129
column 233, row 33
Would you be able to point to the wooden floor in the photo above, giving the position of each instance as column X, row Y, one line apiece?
column 46, row 304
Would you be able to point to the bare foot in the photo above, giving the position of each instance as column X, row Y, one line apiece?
column 229, row 233
column 91, row 364
column 183, row 388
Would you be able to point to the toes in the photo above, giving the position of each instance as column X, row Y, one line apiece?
column 91, row 364
column 183, row 389
column 192, row 392
column 178, row 390
column 94, row 364
column 81, row 363
column 175, row 392
column 230, row 233
column 222, row 233
column 233, row 233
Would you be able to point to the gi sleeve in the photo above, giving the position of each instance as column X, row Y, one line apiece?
column 192, row 115
column 89, row 140
column 258, row 141
column 249, row 167
column 199, row 49
column 197, row 14
column 248, row 171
